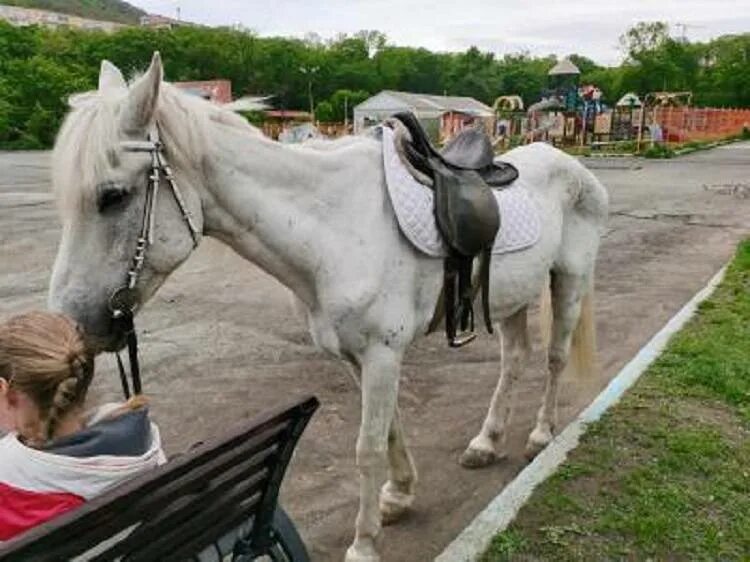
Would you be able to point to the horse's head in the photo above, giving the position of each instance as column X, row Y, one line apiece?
column 101, row 186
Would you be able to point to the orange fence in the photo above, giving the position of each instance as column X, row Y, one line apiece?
column 683, row 124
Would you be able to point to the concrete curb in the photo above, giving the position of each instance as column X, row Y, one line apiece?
column 503, row 508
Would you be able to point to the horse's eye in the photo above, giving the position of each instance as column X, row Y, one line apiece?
column 110, row 195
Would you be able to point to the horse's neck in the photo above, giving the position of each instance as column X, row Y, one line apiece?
column 285, row 208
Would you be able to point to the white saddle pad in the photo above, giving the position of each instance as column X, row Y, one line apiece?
column 520, row 225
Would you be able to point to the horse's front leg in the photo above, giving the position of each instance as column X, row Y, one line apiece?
column 380, row 373
column 398, row 493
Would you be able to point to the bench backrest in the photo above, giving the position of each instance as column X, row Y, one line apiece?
column 178, row 509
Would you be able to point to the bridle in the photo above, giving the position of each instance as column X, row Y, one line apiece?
column 124, row 300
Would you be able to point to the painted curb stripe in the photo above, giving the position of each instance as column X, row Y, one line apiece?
column 503, row 508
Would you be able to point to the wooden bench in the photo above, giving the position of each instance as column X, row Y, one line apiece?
column 217, row 500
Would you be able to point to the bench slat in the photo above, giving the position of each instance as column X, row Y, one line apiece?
column 187, row 536
column 230, row 518
column 258, row 448
column 192, row 505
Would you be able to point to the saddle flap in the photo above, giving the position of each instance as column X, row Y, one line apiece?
column 465, row 209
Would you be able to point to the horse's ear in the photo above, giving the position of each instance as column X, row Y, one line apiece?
column 143, row 98
column 110, row 79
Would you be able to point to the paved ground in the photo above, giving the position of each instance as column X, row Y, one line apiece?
column 221, row 342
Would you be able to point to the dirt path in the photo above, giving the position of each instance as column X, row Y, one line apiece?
column 221, row 342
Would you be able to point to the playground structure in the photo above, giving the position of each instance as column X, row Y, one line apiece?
column 554, row 118
column 571, row 114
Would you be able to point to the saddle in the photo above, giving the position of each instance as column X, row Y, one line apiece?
column 463, row 174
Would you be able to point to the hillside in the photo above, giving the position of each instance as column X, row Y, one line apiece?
column 107, row 10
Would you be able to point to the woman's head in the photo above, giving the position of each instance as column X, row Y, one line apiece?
column 45, row 372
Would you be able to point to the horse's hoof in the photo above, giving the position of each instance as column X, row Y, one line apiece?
column 538, row 440
column 360, row 553
column 475, row 457
column 480, row 452
column 393, row 503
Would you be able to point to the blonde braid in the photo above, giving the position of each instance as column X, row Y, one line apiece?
column 68, row 394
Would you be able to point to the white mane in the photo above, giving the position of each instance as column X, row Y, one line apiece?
column 87, row 145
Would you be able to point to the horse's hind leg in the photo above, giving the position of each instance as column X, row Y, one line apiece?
column 397, row 494
column 568, row 291
column 489, row 445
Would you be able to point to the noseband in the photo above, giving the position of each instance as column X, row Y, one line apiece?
column 124, row 300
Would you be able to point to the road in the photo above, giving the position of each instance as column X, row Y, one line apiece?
column 220, row 342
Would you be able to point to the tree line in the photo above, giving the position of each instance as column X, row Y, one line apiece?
column 40, row 68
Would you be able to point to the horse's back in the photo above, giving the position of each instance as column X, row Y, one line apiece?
column 546, row 169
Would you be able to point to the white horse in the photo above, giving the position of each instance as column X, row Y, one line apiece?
column 319, row 219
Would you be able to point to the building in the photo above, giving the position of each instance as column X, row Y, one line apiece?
column 32, row 16
column 217, row 91
column 162, row 22
column 29, row 16
column 441, row 116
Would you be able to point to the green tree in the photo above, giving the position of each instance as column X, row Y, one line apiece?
column 657, row 62
column 40, row 127
column 523, row 75
column 324, row 112
column 345, row 99
column 644, row 38
column 5, row 121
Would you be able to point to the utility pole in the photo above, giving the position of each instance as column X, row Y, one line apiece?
column 309, row 71
column 684, row 27
column 346, row 113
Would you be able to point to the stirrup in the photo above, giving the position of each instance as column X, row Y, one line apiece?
column 462, row 339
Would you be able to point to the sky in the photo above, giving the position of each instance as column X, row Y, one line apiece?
column 540, row 27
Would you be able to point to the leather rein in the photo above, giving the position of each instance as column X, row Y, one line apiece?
column 124, row 300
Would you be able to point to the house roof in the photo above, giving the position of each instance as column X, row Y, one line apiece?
column 564, row 67
column 630, row 99
column 432, row 103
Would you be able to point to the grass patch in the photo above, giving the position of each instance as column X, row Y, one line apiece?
column 664, row 475
column 658, row 151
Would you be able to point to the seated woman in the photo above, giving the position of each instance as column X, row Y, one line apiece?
column 58, row 456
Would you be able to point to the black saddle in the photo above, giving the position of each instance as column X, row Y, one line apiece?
column 466, row 212
column 471, row 149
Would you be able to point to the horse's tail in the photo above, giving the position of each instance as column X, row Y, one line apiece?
column 582, row 356
column 582, row 362
column 581, row 237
